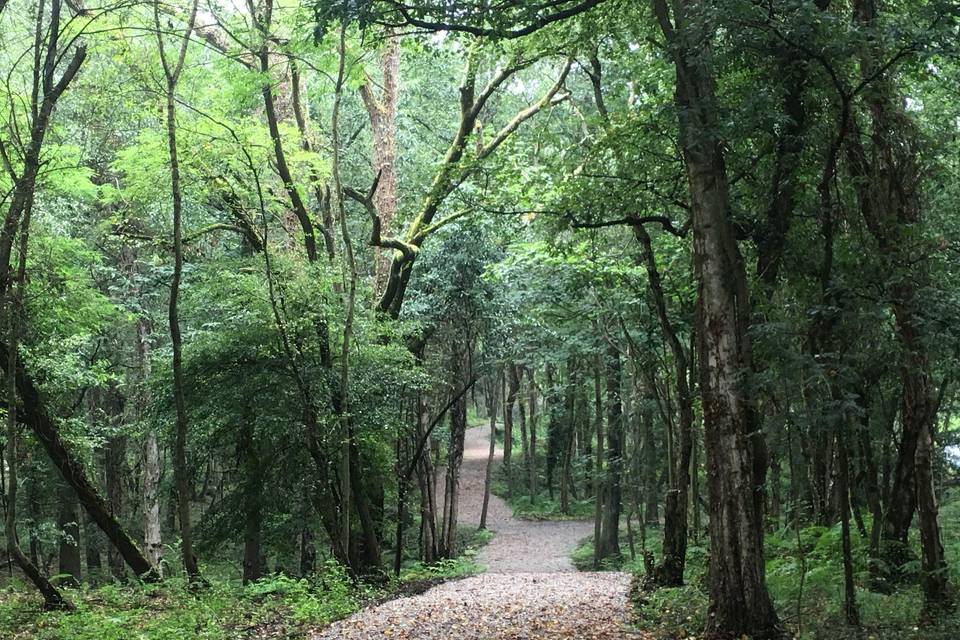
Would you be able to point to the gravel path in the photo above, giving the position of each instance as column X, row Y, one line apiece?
column 518, row 546
column 530, row 591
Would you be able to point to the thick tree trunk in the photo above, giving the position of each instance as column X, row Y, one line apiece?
column 152, row 543
column 252, row 480
column 308, row 552
column 116, row 471
column 68, row 522
column 382, row 111
column 610, row 531
column 736, row 456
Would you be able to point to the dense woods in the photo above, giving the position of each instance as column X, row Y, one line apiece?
column 689, row 265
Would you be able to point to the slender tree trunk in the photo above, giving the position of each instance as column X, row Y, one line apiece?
column 181, row 471
column 534, row 425
column 516, row 374
column 670, row 572
column 598, row 466
column 843, row 490
column 493, row 440
column 172, row 70
column 650, row 462
column 458, row 427
column 510, row 402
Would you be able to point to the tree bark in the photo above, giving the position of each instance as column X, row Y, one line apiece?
column 152, row 543
column 493, row 441
column 172, row 70
column 252, row 481
column 610, row 532
column 534, row 424
column 598, row 466
column 509, row 403
column 670, row 571
column 458, row 427
column 68, row 522
column 736, row 458
column 115, row 466
column 382, row 112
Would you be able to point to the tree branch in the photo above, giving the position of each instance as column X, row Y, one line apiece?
column 632, row 221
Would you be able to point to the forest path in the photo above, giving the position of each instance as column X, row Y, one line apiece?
column 518, row 546
column 531, row 591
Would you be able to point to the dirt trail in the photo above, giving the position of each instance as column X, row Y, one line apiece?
column 530, row 591
column 518, row 546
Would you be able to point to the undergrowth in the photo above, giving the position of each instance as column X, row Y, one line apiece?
column 805, row 579
column 278, row 606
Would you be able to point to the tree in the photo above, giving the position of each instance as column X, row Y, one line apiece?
column 736, row 456
column 172, row 68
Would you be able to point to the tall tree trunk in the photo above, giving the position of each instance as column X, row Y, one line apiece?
column 509, row 403
column 516, row 375
column 172, row 70
column 534, row 425
column 382, row 111
column 550, row 407
column 458, row 428
column 888, row 175
column 493, row 441
column 598, row 465
column 851, row 612
column 115, row 467
column 68, row 522
column 252, row 480
column 649, row 456
column 152, row 542
column 736, row 458
column 670, row 572
column 610, row 532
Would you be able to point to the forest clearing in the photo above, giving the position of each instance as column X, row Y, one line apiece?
column 480, row 319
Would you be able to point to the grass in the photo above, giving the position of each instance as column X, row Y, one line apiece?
column 277, row 606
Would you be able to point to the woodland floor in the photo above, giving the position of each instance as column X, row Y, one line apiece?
column 530, row 589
